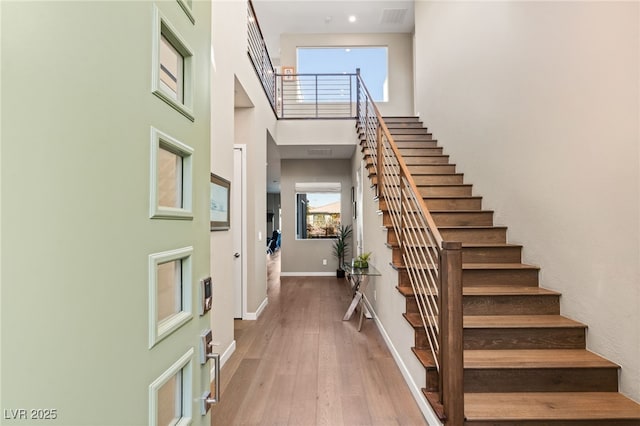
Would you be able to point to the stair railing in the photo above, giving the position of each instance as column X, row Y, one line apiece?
column 434, row 267
column 316, row 96
column 259, row 56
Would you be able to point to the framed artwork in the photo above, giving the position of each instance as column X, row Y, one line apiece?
column 288, row 73
column 220, row 196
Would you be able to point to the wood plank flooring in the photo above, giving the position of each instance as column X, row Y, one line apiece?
column 299, row 364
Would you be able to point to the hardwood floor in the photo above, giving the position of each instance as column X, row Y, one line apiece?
column 300, row 364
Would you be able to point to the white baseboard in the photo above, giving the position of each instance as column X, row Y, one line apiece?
column 429, row 415
column 252, row 316
column 307, row 274
column 224, row 358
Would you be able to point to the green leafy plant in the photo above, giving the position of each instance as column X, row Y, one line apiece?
column 362, row 261
column 341, row 245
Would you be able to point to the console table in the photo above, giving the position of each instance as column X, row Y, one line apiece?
column 358, row 279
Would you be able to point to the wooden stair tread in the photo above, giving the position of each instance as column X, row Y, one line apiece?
column 534, row 358
column 523, row 406
column 507, row 321
column 520, row 321
column 425, row 357
column 490, row 266
column 490, row 245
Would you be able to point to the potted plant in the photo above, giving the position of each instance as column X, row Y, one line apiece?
column 362, row 261
column 341, row 247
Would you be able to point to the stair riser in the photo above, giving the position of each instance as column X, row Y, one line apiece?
column 413, row 138
column 402, row 123
column 541, row 380
column 511, row 305
column 501, row 305
column 409, row 152
column 419, row 161
column 453, row 203
column 433, row 204
column 448, row 190
column 454, row 218
column 428, row 169
column 459, row 218
column 480, row 235
column 475, row 255
column 435, row 169
column 435, row 179
column 401, row 119
column 392, row 238
column 519, row 338
column 498, row 277
column 409, row 131
column 430, row 143
column 492, row 254
column 524, row 338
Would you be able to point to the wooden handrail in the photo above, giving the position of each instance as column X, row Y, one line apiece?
column 434, row 266
column 402, row 164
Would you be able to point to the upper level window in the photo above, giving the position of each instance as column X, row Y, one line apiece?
column 372, row 61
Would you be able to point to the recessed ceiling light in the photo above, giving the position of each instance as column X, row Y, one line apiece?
column 352, row 18
column 347, row 50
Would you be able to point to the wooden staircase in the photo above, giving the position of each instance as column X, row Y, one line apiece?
column 524, row 363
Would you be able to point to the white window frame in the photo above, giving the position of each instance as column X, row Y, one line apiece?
column 162, row 27
column 184, row 365
column 161, row 140
column 159, row 330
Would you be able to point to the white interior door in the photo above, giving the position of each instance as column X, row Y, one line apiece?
column 239, row 218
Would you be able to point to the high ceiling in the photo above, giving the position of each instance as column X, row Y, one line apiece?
column 278, row 17
column 331, row 17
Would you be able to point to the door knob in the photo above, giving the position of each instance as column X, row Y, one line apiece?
column 236, row 255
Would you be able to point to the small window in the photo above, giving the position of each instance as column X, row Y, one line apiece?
column 171, row 178
column 172, row 67
column 169, row 292
column 371, row 60
column 170, row 400
column 171, row 70
column 169, row 289
column 318, row 210
column 170, row 394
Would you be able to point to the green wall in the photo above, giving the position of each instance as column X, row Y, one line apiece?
column 77, row 109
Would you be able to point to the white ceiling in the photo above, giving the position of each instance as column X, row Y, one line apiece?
column 278, row 17
column 331, row 17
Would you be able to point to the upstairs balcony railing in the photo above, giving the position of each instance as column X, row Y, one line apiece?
column 304, row 96
column 257, row 51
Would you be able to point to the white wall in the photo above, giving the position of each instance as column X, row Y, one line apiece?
column 537, row 102
column 242, row 126
column 400, row 61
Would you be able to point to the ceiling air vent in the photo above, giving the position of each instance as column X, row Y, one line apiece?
column 319, row 152
column 393, row 16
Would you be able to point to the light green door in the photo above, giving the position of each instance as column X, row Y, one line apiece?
column 104, row 195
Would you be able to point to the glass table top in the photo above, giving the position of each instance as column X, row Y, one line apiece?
column 370, row 270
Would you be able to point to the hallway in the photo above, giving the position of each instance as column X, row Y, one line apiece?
column 300, row 364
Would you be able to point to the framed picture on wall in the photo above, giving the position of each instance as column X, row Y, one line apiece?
column 289, row 73
column 220, row 197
